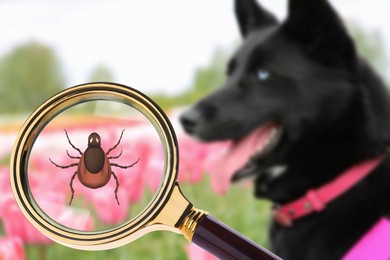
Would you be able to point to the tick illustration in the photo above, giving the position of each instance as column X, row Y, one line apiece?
column 94, row 166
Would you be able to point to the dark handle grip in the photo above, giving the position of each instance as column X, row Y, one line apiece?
column 226, row 243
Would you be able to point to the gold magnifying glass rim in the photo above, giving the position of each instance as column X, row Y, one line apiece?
column 124, row 233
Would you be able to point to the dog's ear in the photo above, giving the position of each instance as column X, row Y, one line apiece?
column 250, row 16
column 319, row 28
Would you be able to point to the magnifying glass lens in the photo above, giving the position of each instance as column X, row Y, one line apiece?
column 95, row 166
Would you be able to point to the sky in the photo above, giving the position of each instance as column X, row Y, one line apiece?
column 151, row 45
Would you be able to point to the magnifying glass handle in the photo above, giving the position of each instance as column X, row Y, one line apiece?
column 226, row 243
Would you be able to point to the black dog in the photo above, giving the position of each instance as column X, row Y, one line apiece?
column 319, row 109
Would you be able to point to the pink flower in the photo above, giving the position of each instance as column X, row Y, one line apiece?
column 75, row 218
column 107, row 209
column 197, row 253
column 197, row 158
column 11, row 248
column 5, row 188
column 16, row 225
column 49, row 191
column 153, row 172
column 192, row 156
column 132, row 180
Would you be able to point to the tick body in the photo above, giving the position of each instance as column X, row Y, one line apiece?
column 94, row 168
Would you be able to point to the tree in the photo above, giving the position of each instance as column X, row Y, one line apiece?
column 370, row 45
column 205, row 80
column 28, row 75
column 211, row 76
column 101, row 73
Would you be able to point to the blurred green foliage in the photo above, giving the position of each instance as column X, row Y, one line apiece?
column 370, row 45
column 101, row 73
column 29, row 74
column 206, row 79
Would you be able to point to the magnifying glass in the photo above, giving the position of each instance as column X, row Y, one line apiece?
column 61, row 172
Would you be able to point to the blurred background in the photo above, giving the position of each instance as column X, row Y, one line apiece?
column 174, row 51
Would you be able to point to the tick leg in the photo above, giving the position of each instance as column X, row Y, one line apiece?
column 115, row 146
column 115, row 157
column 71, row 187
column 117, row 187
column 64, row 167
column 72, row 157
column 74, row 147
column 122, row 166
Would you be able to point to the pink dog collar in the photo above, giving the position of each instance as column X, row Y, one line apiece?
column 316, row 200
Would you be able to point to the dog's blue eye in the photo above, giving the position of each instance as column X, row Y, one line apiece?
column 263, row 75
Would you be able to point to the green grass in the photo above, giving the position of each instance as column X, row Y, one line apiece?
column 238, row 209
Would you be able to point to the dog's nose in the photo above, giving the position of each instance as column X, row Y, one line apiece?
column 189, row 120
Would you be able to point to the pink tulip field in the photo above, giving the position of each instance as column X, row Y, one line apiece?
column 97, row 209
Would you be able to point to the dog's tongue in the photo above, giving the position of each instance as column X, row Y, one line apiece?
column 237, row 155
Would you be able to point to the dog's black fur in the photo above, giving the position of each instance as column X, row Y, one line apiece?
column 305, row 74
